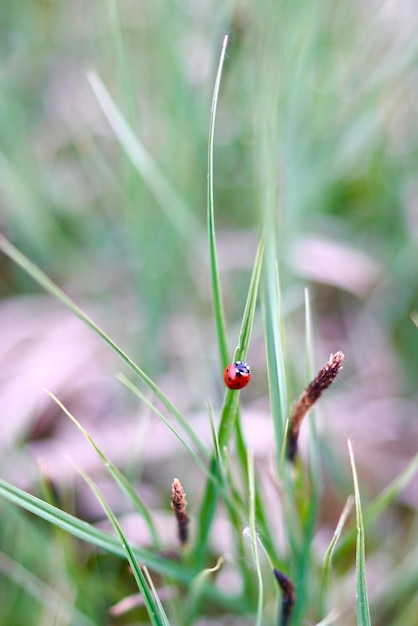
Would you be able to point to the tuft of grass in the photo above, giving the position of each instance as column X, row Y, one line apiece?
column 313, row 145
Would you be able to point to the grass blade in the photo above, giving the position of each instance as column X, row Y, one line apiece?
column 231, row 400
column 229, row 410
column 216, row 284
column 155, row 594
column 383, row 501
column 50, row 287
column 86, row 532
column 363, row 611
column 169, row 200
column 326, row 566
column 274, row 344
column 196, row 591
column 254, row 539
column 125, row 381
column 157, row 617
column 174, row 570
column 116, row 474
column 228, row 414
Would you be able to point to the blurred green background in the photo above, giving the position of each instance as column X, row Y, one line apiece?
column 336, row 86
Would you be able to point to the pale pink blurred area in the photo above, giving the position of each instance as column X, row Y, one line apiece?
column 45, row 347
column 330, row 262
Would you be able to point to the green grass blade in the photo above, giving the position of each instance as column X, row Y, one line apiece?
column 326, row 566
column 49, row 286
column 273, row 379
column 382, row 501
column 389, row 493
column 169, row 200
column 216, row 284
column 230, row 406
column 267, row 134
column 231, row 400
column 274, row 344
column 116, row 474
column 157, row 600
column 196, row 591
column 250, row 305
column 363, row 611
column 228, row 414
column 157, row 618
column 217, row 450
column 202, row 449
column 86, row 532
column 173, row 570
column 254, row 538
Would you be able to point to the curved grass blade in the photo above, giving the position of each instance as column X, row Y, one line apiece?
column 49, row 286
column 119, row 478
column 231, row 400
column 363, row 611
column 215, row 279
column 196, row 591
column 326, row 566
column 216, row 284
column 169, row 200
column 157, row 617
column 127, row 383
column 87, row 532
column 173, row 570
column 382, row 501
column 151, row 585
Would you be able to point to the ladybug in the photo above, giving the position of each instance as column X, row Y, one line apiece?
column 237, row 375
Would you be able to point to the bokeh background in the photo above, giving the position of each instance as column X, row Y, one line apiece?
column 127, row 240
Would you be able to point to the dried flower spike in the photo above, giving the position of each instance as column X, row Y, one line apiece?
column 308, row 398
column 179, row 504
column 289, row 596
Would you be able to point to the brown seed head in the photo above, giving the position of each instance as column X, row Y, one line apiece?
column 179, row 504
column 309, row 396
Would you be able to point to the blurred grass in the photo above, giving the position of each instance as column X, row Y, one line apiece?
column 315, row 136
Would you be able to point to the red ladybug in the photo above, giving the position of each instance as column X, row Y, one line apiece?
column 237, row 375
